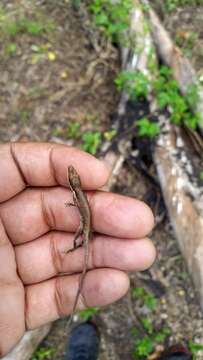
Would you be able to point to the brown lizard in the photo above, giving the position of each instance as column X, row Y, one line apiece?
column 84, row 229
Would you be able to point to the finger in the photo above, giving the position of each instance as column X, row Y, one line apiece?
column 47, row 256
column 11, row 297
column 45, row 164
column 34, row 212
column 54, row 298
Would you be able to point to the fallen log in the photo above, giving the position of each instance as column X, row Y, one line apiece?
column 183, row 196
column 172, row 56
column 184, row 201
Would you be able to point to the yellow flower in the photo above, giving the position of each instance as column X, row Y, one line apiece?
column 51, row 56
column 64, row 74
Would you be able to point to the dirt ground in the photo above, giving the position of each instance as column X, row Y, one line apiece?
column 62, row 74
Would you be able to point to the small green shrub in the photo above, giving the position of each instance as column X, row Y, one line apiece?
column 143, row 347
column 73, row 130
column 111, row 16
column 91, row 141
column 148, row 299
column 135, row 83
column 146, row 128
column 168, row 96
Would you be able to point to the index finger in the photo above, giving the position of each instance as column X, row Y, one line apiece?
column 45, row 164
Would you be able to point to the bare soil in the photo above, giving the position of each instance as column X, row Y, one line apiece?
column 64, row 76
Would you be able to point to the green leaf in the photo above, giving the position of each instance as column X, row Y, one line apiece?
column 145, row 297
column 91, row 142
column 43, row 353
column 147, row 325
column 86, row 314
column 146, row 128
column 138, row 292
column 161, row 336
column 195, row 347
column 73, row 130
column 201, row 175
column 143, row 347
column 150, row 301
column 136, row 84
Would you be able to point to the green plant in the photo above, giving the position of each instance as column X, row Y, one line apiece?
column 147, row 324
column 57, row 131
column 146, row 345
column 186, row 41
column 10, row 49
column 147, row 298
column 143, row 347
column 161, row 336
column 76, row 4
column 111, row 16
column 168, row 96
column 167, row 93
column 91, row 141
column 184, row 275
column 73, row 130
column 86, row 314
column 109, row 135
column 24, row 116
column 171, row 5
column 201, row 175
column 135, row 83
column 147, row 128
column 43, row 353
column 11, row 26
column 195, row 348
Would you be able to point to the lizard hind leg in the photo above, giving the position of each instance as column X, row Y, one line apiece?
column 78, row 234
column 77, row 244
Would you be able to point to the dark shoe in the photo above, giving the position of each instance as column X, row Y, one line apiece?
column 176, row 353
column 83, row 343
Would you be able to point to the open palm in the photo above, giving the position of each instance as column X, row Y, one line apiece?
column 36, row 230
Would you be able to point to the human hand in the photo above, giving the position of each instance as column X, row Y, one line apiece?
column 36, row 231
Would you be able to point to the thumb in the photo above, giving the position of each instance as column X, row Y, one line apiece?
column 12, row 324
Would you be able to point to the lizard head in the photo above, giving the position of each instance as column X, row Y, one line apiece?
column 73, row 177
